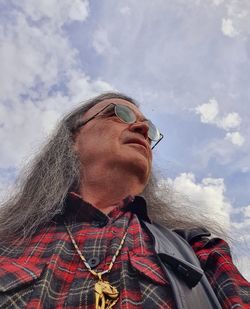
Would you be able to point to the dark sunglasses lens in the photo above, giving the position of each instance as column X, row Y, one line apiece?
column 153, row 132
column 125, row 114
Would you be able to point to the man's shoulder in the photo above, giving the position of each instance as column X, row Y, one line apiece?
column 33, row 245
column 193, row 234
column 188, row 234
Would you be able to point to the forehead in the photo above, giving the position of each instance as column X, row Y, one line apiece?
column 99, row 106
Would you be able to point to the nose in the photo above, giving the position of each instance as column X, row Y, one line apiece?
column 140, row 127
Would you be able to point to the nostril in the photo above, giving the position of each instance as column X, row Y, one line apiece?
column 140, row 127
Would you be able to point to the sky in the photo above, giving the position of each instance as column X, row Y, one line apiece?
column 187, row 63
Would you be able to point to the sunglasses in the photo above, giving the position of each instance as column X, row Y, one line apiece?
column 126, row 115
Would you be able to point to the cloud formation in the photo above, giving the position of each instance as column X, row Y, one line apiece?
column 209, row 113
column 235, row 138
column 227, row 28
column 57, row 13
column 209, row 194
column 44, row 79
column 236, row 21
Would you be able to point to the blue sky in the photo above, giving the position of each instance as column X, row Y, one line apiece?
column 186, row 62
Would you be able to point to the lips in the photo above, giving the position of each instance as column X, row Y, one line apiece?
column 137, row 141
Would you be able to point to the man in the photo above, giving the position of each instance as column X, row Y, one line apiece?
column 79, row 234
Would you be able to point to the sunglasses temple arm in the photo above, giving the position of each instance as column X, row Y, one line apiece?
column 83, row 122
column 161, row 137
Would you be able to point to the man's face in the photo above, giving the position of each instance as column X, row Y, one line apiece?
column 113, row 144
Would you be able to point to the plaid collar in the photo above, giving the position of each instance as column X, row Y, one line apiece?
column 78, row 210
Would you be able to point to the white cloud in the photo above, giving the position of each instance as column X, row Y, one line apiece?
column 210, row 114
column 230, row 121
column 80, row 86
column 79, row 10
column 209, row 194
column 208, row 111
column 40, row 55
column 247, row 212
column 57, row 12
column 24, row 126
column 241, row 225
column 245, row 222
column 241, row 233
column 235, row 138
column 243, row 264
column 227, row 28
column 237, row 19
column 101, row 42
column 34, row 61
column 32, row 57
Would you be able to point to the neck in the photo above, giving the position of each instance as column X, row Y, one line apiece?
column 107, row 190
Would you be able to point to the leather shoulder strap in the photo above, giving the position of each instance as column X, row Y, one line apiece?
column 192, row 234
column 182, row 268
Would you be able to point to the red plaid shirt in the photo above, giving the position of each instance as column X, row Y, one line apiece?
column 48, row 273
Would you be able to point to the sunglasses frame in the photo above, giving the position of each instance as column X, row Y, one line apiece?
column 83, row 122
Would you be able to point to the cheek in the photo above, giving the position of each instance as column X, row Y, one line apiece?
column 100, row 142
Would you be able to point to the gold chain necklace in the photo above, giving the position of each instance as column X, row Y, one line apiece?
column 106, row 295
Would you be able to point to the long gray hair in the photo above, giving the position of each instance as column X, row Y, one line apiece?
column 42, row 189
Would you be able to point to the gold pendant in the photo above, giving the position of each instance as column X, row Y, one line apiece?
column 106, row 295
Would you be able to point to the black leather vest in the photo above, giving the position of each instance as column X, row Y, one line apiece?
column 182, row 268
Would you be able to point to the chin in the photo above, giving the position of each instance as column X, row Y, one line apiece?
column 141, row 168
column 135, row 162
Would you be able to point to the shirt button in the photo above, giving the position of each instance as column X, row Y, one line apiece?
column 93, row 262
